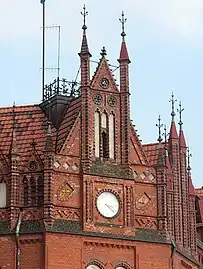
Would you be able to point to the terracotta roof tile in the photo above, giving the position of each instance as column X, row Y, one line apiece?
column 151, row 151
column 27, row 129
column 68, row 121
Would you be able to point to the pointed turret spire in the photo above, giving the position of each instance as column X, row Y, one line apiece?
column 123, row 52
column 84, row 46
column 173, row 131
column 181, row 133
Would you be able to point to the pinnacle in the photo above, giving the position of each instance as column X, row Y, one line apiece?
column 124, row 53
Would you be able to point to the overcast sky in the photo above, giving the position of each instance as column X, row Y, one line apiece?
column 165, row 44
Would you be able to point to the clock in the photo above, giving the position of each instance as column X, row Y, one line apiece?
column 108, row 204
column 104, row 83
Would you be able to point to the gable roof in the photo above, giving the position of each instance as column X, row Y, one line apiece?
column 151, row 151
column 30, row 124
column 69, row 119
column 137, row 147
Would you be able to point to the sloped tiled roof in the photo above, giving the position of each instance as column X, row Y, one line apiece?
column 151, row 151
column 69, row 119
column 30, row 124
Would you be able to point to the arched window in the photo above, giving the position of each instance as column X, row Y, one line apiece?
column 104, row 145
column 111, row 136
column 33, row 193
column 96, row 133
column 104, row 136
column 40, row 190
column 25, row 191
column 3, row 195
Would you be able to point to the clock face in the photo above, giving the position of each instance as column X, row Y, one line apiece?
column 108, row 204
column 104, row 83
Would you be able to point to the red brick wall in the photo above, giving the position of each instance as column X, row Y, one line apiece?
column 67, row 251
column 31, row 254
column 153, row 256
column 7, row 252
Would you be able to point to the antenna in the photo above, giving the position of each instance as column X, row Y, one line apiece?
column 58, row 27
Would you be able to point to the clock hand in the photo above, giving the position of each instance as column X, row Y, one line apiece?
column 110, row 208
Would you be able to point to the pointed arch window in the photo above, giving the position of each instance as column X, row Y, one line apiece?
column 111, row 136
column 104, row 145
column 96, row 133
column 3, row 195
column 104, row 135
column 40, row 190
column 25, row 191
column 33, row 194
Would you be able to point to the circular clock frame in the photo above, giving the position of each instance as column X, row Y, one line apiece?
column 104, row 83
column 108, row 204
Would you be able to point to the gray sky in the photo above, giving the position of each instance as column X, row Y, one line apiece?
column 165, row 44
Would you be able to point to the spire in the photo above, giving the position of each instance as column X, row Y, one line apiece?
column 123, row 52
column 103, row 52
column 173, row 132
column 161, row 157
column 190, row 185
column 181, row 133
column 159, row 125
column 172, row 101
column 84, row 46
column 189, row 155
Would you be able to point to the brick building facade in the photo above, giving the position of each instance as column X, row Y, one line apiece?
column 79, row 190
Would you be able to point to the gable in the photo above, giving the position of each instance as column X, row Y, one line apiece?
column 68, row 121
column 104, row 75
column 137, row 154
column 71, row 145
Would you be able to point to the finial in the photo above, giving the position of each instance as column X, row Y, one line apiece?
column 189, row 155
column 159, row 125
column 172, row 101
column 180, row 110
column 165, row 134
column 84, row 14
column 103, row 52
column 123, row 21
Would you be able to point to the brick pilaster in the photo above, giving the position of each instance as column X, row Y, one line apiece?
column 13, row 188
column 161, row 191
column 48, row 178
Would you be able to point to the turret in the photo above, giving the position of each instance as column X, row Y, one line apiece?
column 174, row 157
column 124, row 91
column 184, row 180
column 86, row 132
